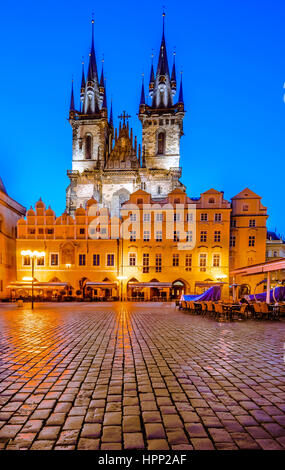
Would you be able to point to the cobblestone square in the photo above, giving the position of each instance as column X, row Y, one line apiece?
column 138, row 376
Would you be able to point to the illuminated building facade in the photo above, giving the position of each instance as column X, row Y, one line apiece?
column 10, row 212
column 130, row 230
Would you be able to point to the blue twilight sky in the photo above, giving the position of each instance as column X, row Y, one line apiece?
column 233, row 58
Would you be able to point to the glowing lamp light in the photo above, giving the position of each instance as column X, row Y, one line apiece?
column 27, row 278
column 33, row 254
column 121, row 278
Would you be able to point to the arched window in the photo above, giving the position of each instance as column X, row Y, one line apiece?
column 211, row 200
column 88, row 147
column 158, row 189
column 160, row 143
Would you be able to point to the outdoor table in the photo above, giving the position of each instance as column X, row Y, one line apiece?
column 227, row 311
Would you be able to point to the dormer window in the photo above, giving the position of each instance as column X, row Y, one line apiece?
column 211, row 200
column 139, row 201
column 245, row 208
column 161, row 143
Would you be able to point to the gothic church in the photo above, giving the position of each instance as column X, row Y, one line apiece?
column 107, row 165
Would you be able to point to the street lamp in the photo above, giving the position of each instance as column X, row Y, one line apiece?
column 33, row 255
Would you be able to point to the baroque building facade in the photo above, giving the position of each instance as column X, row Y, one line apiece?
column 130, row 230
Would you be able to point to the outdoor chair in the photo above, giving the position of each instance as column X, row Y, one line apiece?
column 204, row 308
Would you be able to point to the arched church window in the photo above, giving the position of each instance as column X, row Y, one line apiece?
column 211, row 200
column 158, row 189
column 88, row 147
column 160, row 143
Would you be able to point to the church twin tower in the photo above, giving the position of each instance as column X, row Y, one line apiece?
column 108, row 165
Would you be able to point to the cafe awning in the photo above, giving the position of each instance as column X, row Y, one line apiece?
column 208, row 283
column 102, row 285
column 150, row 284
column 37, row 285
column 268, row 266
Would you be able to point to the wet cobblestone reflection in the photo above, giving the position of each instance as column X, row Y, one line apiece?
column 123, row 376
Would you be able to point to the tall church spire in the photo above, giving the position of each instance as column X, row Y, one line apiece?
column 92, row 100
column 162, row 91
column 142, row 101
column 72, row 107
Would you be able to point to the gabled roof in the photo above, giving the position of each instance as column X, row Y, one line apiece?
column 177, row 191
column 246, row 194
column 140, row 192
column 212, row 191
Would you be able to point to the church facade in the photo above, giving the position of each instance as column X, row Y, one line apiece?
column 108, row 165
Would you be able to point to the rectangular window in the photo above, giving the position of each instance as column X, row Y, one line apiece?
column 133, row 217
column 50, row 231
column 41, row 261
column 133, row 235
column 82, row 231
column 82, row 260
column 217, row 236
column 31, row 231
column 188, row 262
column 218, row 217
column 203, row 236
column 158, row 262
column 175, row 260
column 204, row 217
column 176, row 236
column 176, row 217
column 54, row 259
column 245, row 208
column 159, row 217
column 251, row 241
column 110, row 259
column 189, row 236
column 26, row 261
column 96, row 260
column 41, row 231
column 202, row 262
column 233, row 223
column 189, row 217
column 132, row 259
column 252, row 223
column 216, row 260
column 146, row 236
column 146, row 217
column 158, row 236
column 232, row 241
column 145, row 262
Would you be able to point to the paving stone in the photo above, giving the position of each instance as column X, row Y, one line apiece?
column 195, row 430
column 112, row 434
column 151, row 417
column 42, row 445
column 133, row 440
column 202, row 443
column 131, row 424
column 126, row 374
column 269, row 444
column 88, row 444
column 154, row 431
column 112, row 418
column 157, row 444
column 49, row 433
